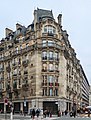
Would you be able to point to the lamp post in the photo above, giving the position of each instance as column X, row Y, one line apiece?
column 11, row 106
column 24, row 105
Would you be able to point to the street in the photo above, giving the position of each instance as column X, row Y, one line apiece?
column 77, row 118
column 21, row 117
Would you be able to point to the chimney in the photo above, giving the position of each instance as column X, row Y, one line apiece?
column 60, row 19
column 8, row 31
column 18, row 26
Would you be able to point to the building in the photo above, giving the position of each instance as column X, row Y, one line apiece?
column 90, row 96
column 38, row 66
column 85, row 87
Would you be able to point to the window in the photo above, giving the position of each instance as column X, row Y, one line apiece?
column 56, row 92
column 50, row 43
column 50, row 92
column 15, row 71
column 19, row 62
column 44, row 43
column 51, row 67
column 44, row 67
column 45, row 92
column 16, row 49
column 49, row 29
column 56, row 78
column 27, row 45
column 8, row 75
column 56, row 56
column 45, row 29
column 26, row 57
column 44, row 55
column 50, row 55
column 56, row 67
column 44, row 77
column 50, row 79
column 20, row 47
column 19, row 82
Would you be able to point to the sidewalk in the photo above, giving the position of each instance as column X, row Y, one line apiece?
column 52, row 118
column 19, row 117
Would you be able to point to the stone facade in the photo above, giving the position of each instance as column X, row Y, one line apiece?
column 38, row 66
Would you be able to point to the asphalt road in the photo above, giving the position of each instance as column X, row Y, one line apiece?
column 19, row 117
column 77, row 118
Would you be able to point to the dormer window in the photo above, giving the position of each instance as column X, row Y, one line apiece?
column 49, row 29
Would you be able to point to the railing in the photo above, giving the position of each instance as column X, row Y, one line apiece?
column 32, row 47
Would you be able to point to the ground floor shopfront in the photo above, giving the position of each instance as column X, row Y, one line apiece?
column 50, row 104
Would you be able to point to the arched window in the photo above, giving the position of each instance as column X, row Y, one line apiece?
column 50, row 55
column 51, row 67
column 44, row 55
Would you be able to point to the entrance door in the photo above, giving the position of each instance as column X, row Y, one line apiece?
column 51, row 106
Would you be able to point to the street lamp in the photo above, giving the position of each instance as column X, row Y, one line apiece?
column 24, row 105
column 11, row 106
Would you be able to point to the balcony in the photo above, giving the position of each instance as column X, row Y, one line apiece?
column 44, row 84
column 49, row 45
column 51, row 84
column 25, row 72
column 50, row 35
column 44, row 58
column 51, row 58
column 56, row 84
column 51, row 70
column 44, row 70
column 57, row 71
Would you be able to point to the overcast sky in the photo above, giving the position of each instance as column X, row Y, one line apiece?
column 76, row 19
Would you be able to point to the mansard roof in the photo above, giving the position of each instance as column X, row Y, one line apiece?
column 41, row 13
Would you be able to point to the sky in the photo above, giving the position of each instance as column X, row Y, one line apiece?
column 76, row 19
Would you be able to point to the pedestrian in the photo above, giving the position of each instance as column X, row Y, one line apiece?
column 45, row 112
column 58, row 113
column 37, row 112
column 33, row 113
column 66, row 112
column 50, row 114
column 88, row 113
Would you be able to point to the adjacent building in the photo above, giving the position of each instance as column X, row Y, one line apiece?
column 39, row 67
column 90, row 96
